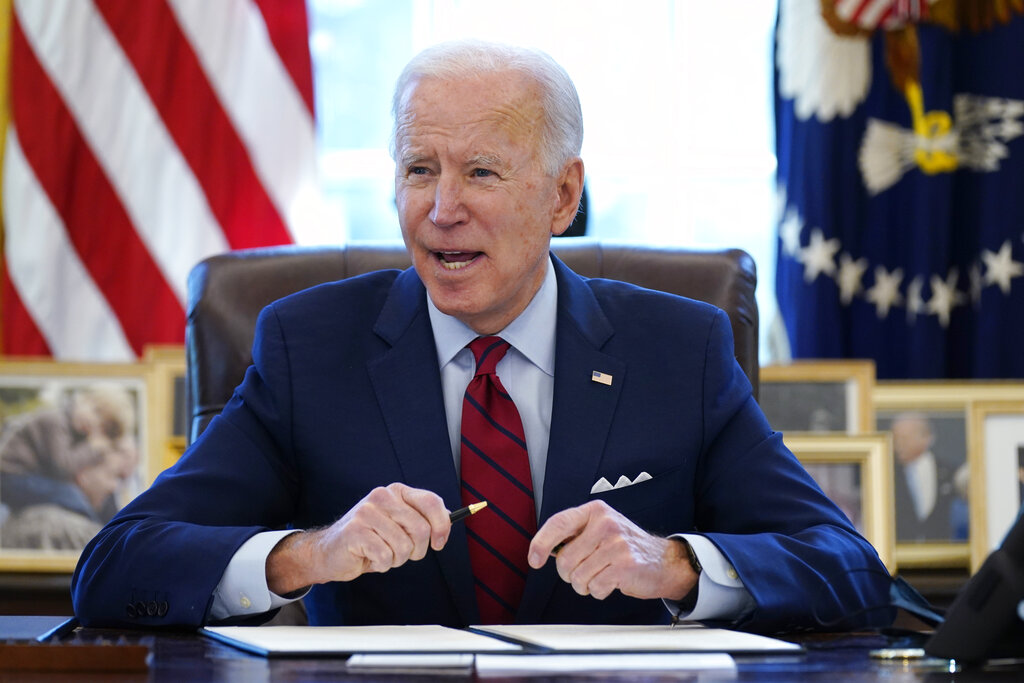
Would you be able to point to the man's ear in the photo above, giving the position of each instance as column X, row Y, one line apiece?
column 569, row 191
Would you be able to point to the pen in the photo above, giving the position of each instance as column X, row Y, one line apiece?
column 462, row 513
column 554, row 551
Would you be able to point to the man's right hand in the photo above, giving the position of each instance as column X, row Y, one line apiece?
column 390, row 526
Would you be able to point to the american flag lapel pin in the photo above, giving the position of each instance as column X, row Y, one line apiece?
column 601, row 378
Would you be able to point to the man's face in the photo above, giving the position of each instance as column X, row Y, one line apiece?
column 476, row 208
column 911, row 437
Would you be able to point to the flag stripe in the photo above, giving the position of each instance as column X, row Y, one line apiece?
column 10, row 308
column 289, row 32
column 19, row 329
column 78, row 326
column 154, row 44
column 176, row 226
column 5, row 25
column 261, row 100
column 867, row 14
column 874, row 13
column 85, row 209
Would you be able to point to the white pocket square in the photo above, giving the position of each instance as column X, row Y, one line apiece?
column 602, row 484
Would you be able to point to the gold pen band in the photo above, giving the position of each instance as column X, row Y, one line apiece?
column 463, row 513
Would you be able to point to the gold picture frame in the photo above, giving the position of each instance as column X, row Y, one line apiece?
column 819, row 396
column 857, row 477
column 996, row 459
column 76, row 445
column 946, row 407
column 167, row 364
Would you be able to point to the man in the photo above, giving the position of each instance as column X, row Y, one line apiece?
column 357, row 423
column 925, row 494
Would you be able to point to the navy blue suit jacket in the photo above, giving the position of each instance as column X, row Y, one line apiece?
column 344, row 395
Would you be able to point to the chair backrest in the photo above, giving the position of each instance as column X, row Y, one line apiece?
column 227, row 292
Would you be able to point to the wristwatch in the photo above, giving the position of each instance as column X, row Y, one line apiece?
column 692, row 557
column 690, row 601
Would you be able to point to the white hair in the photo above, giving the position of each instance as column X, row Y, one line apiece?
column 562, row 134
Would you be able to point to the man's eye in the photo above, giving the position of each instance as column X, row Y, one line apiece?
column 482, row 173
column 418, row 170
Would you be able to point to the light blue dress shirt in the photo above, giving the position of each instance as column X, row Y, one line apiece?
column 528, row 373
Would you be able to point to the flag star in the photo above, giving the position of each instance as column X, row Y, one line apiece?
column 915, row 302
column 819, row 256
column 944, row 296
column 789, row 232
column 1001, row 268
column 850, row 274
column 886, row 291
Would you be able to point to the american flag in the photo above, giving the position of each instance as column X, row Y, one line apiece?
column 143, row 136
column 872, row 14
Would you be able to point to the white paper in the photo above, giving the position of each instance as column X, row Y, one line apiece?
column 277, row 640
column 652, row 662
column 643, row 638
column 411, row 663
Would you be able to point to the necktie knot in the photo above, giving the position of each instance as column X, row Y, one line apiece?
column 488, row 351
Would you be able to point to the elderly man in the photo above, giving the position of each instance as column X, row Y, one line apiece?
column 489, row 370
column 925, row 494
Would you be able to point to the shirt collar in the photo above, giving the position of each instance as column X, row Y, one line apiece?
column 532, row 333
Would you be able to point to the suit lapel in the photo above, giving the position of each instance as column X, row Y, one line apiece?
column 581, row 415
column 406, row 379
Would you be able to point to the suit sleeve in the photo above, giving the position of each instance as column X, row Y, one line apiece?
column 158, row 562
column 796, row 553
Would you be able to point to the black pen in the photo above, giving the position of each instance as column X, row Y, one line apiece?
column 554, row 551
column 462, row 513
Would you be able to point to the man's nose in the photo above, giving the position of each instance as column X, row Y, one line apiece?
column 449, row 208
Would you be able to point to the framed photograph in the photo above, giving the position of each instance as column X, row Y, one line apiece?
column 819, row 396
column 170, row 412
column 75, row 446
column 996, row 459
column 856, row 473
column 930, row 423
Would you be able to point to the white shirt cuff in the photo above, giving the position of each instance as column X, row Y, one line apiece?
column 243, row 590
column 720, row 593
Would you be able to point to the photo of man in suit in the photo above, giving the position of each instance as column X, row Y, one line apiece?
column 330, row 475
column 925, row 491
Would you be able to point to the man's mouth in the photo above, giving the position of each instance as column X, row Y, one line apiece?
column 453, row 260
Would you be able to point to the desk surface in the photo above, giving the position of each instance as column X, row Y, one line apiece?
column 189, row 657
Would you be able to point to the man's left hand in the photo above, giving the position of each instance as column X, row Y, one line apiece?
column 601, row 550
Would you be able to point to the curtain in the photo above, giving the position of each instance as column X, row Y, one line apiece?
column 901, row 173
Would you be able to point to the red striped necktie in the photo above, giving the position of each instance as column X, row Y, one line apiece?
column 495, row 468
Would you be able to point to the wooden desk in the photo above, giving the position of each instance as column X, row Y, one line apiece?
column 189, row 657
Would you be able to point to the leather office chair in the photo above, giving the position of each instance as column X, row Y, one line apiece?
column 227, row 292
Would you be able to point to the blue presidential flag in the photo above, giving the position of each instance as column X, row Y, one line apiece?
column 901, row 180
